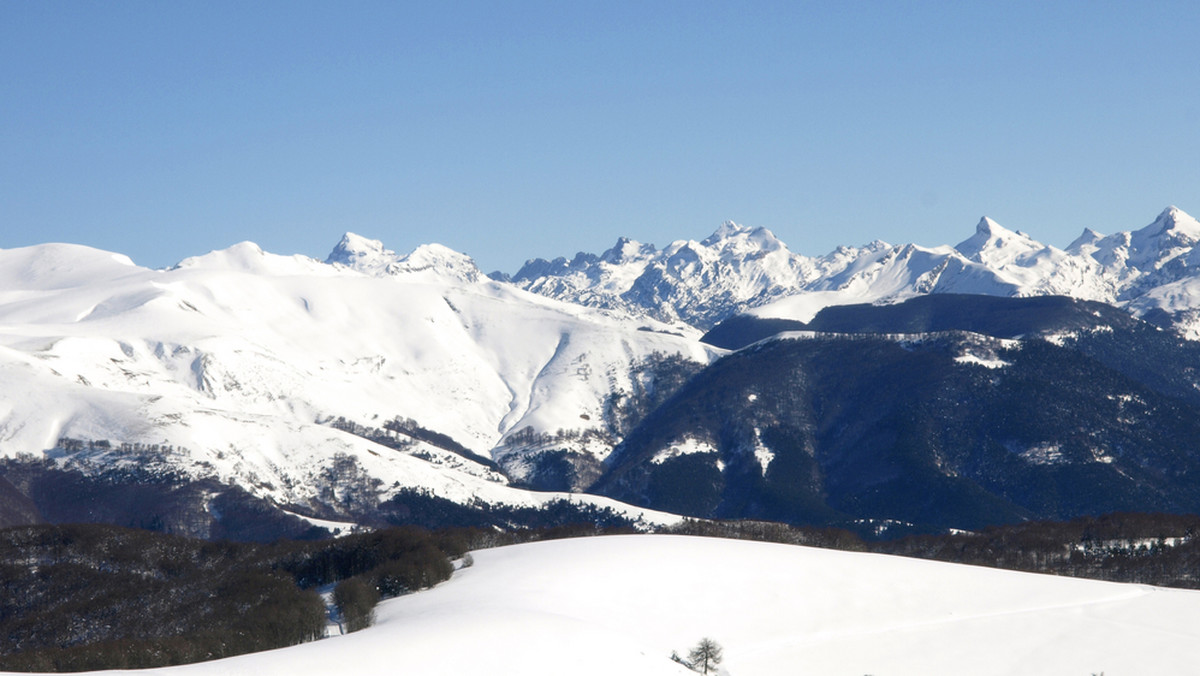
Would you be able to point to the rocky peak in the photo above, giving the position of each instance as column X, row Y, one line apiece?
column 992, row 243
column 362, row 254
column 440, row 261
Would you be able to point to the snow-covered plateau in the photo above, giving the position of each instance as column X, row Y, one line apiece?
column 623, row 604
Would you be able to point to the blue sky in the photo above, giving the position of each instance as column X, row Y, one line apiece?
column 511, row 130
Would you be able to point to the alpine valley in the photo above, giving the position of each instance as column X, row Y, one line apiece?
column 247, row 395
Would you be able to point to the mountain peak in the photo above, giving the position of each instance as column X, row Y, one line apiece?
column 440, row 260
column 370, row 257
column 1172, row 234
column 731, row 236
column 625, row 250
column 987, row 225
column 728, row 230
column 995, row 242
column 355, row 249
column 1175, row 221
column 1086, row 242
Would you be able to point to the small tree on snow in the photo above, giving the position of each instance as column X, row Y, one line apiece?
column 706, row 655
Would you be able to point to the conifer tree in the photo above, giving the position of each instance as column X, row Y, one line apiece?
column 706, row 655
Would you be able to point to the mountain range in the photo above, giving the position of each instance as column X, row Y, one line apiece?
column 246, row 394
column 1150, row 271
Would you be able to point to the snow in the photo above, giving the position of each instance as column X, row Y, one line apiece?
column 686, row 446
column 335, row 528
column 1045, row 453
column 996, row 246
column 746, row 270
column 763, row 455
column 887, row 275
column 803, row 306
column 361, row 253
column 239, row 359
column 984, row 361
column 1060, row 339
column 684, row 281
column 622, row 604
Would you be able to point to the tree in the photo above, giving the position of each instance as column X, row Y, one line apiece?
column 355, row 600
column 706, row 655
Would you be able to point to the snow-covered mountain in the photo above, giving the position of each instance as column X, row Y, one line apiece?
column 688, row 281
column 1150, row 271
column 623, row 605
column 376, row 386
column 252, row 369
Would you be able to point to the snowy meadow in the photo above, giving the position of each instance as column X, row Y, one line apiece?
column 624, row 604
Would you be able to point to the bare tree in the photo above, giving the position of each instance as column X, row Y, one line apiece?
column 706, row 655
column 355, row 601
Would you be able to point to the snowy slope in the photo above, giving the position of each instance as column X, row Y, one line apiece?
column 739, row 269
column 232, row 364
column 621, row 605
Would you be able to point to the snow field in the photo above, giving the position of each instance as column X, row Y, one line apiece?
column 620, row 605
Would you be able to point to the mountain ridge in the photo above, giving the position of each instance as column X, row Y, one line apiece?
column 942, row 411
column 745, row 269
column 233, row 366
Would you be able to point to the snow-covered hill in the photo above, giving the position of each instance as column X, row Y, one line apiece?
column 622, row 605
column 1151, row 271
column 233, row 365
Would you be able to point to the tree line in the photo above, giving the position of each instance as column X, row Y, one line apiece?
column 1157, row 549
column 85, row 597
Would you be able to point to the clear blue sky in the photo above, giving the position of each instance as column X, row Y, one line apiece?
column 508, row 130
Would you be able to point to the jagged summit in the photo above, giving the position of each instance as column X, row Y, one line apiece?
column 1085, row 242
column 990, row 228
column 733, row 235
column 740, row 268
column 624, row 250
column 727, row 230
column 355, row 249
column 1149, row 256
column 370, row 257
column 995, row 244
column 689, row 281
